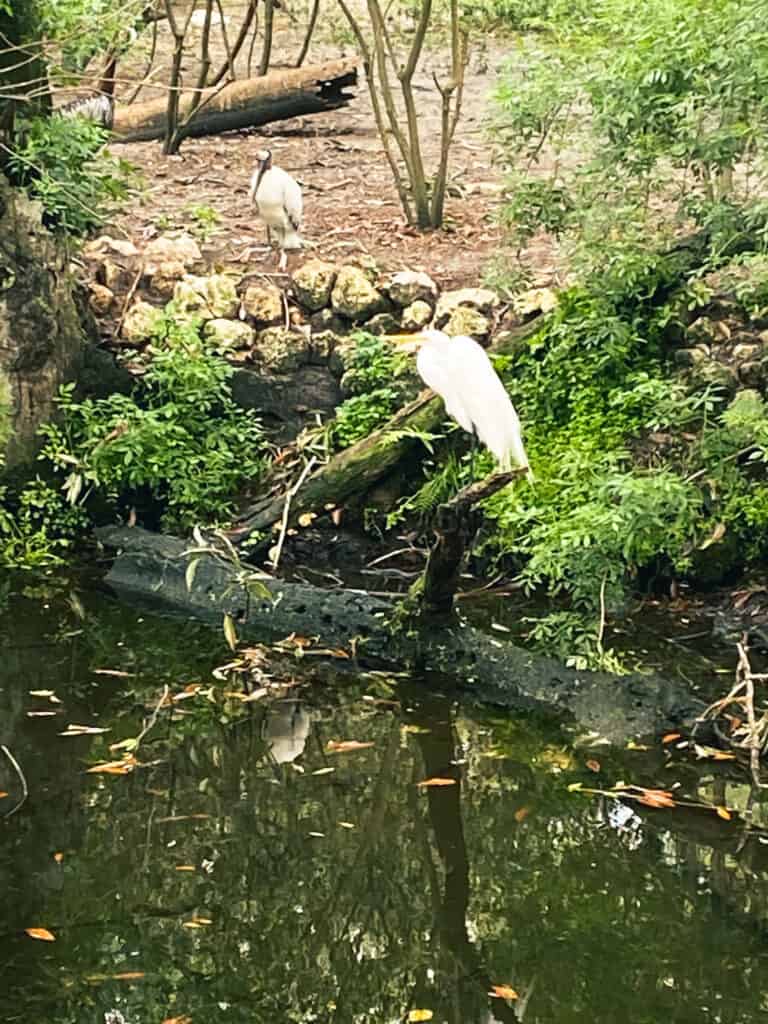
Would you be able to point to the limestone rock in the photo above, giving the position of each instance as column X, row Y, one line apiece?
column 691, row 356
column 313, row 283
column 482, row 300
column 327, row 320
column 228, row 335
column 467, row 321
column 140, row 321
column 165, row 249
column 263, row 304
column 416, row 316
column 100, row 298
column 704, row 330
column 210, row 298
column 163, row 281
column 742, row 352
column 535, row 300
column 105, row 244
column 409, row 286
column 354, row 296
column 113, row 275
column 752, row 373
column 383, row 323
column 279, row 350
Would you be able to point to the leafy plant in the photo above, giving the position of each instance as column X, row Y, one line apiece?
column 60, row 162
column 205, row 220
column 179, row 437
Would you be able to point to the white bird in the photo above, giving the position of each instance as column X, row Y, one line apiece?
column 278, row 199
column 461, row 373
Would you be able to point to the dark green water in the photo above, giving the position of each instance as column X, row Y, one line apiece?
column 352, row 895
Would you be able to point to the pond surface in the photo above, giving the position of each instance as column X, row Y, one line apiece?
column 244, row 870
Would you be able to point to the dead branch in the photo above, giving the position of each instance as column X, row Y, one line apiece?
column 266, row 47
column 227, row 70
column 309, row 33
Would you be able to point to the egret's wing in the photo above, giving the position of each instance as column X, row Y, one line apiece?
column 292, row 202
column 437, row 368
column 486, row 401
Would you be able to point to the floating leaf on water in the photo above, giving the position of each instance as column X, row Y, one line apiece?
column 714, row 753
column 129, row 744
column 230, row 633
column 522, row 813
column 185, row 867
column 306, row 518
column 123, row 767
column 415, row 729
column 127, row 975
column 116, row 672
column 502, row 992
column 637, row 746
column 345, row 824
column 655, row 797
column 344, row 746
column 593, row 765
column 437, row 781
column 323, row 771
column 419, row 1015
column 671, row 737
column 336, row 516
column 574, row 787
column 724, row 813
column 3, row 794
column 182, row 817
column 40, row 933
column 42, row 714
column 58, row 857
column 316, row 835
column 47, row 694
column 83, row 730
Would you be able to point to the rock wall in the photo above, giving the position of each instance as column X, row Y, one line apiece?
column 41, row 338
column 288, row 340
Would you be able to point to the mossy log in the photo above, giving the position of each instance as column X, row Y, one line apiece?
column 155, row 570
column 280, row 95
column 355, row 470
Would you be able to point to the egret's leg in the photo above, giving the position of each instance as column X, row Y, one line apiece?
column 472, row 452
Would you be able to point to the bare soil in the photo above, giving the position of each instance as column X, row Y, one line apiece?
column 351, row 206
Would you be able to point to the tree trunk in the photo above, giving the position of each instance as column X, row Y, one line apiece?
column 245, row 104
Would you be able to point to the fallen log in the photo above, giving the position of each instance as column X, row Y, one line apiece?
column 355, row 470
column 282, row 94
column 155, row 570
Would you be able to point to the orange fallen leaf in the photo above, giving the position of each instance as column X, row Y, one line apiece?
column 522, row 813
column 419, row 1015
column 185, row 867
column 344, row 746
column 656, row 798
column 724, row 813
column 593, row 765
column 502, row 992
column 40, row 933
column 671, row 737
column 128, row 975
column 114, row 767
column 436, row 781
column 3, row 794
column 58, row 857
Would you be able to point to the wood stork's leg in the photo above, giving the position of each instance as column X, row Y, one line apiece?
column 269, row 235
column 472, row 453
column 283, row 260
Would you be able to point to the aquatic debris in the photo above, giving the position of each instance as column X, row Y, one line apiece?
column 436, row 781
column 345, row 746
column 122, row 767
column 502, row 992
column 40, row 933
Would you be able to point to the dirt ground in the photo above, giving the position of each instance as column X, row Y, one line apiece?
column 351, row 207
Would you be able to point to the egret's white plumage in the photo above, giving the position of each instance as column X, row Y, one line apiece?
column 459, row 370
column 278, row 200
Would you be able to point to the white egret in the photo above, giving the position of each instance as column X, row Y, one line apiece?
column 278, row 199
column 460, row 372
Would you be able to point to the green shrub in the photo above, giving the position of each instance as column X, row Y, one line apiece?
column 179, row 436
column 60, row 161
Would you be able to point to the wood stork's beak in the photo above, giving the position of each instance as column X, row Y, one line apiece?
column 407, row 342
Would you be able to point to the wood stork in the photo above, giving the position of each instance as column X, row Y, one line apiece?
column 278, row 200
column 460, row 372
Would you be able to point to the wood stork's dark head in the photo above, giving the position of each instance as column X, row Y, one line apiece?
column 264, row 156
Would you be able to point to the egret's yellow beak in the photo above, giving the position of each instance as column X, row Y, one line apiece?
column 407, row 342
